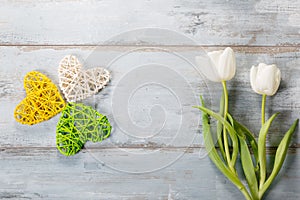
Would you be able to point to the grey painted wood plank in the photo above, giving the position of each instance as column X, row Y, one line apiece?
column 232, row 22
column 177, row 123
column 34, row 173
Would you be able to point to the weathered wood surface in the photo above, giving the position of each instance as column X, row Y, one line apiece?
column 245, row 104
column 133, row 163
column 44, row 173
column 209, row 22
column 41, row 138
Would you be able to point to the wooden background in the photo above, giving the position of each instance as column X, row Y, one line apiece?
column 36, row 35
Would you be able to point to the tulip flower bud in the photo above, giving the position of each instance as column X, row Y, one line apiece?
column 223, row 65
column 265, row 79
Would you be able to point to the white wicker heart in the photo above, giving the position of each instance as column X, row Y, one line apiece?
column 77, row 83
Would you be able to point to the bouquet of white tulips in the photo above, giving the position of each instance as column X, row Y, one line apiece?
column 265, row 80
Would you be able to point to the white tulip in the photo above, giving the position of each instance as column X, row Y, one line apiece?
column 265, row 79
column 222, row 66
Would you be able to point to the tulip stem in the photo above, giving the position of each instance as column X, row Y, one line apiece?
column 225, row 138
column 263, row 105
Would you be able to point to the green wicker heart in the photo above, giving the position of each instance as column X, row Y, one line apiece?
column 78, row 124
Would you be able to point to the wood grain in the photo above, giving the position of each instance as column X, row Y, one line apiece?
column 176, row 131
column 149, row 46
column 44, row 173
column 94, row 22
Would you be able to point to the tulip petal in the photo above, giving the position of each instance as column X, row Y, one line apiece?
column 207, row 68
column 265, row 79
column 218, row 66
column 227, row 65
column 215, row 56
column 277, row 81
column 253, row 74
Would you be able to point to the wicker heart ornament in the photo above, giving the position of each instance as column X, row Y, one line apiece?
column 77, row 83
column 42, row 102
column 77, row 125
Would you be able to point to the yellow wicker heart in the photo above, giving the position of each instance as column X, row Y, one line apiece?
column 42, row 102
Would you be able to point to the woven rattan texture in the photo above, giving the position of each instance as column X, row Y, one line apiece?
column 77, row 83
column 42, row 102
column 77, row 125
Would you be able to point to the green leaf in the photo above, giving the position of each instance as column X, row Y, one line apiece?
column 217, row 117
column 262, row 149
column 213, row 154
column 234, row 142
column 248, row 168
column 230, row 129
column 280, row 156
column 242, row 130
column 230, row 119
